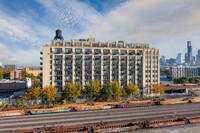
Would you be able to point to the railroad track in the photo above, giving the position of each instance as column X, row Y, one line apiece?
column 111, row 116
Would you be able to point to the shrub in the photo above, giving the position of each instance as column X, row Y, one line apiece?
column 3, row 105
column 20, row 104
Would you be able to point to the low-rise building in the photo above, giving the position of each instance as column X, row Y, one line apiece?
column 184, row 71
column 34, row 71
column 12, row 86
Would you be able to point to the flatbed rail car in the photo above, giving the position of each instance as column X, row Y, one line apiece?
column 107, row 128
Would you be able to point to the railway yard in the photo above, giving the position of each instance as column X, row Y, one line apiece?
column 109, row 120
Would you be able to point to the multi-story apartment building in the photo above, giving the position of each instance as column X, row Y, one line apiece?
column 85, row 60
column 184, row 71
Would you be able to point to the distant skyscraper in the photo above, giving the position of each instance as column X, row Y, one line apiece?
column 171, row 61
column 179, row 58
column 198, row 58
column 188, row 55
column 162, row 61
column 9, row 66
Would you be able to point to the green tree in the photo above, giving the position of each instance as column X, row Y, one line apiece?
column 72, row 90
column 50, row 93
column 191, row 80
column 132, row 89
column 20, row 104
column 176, row 81
column 196, row 80
column 107, row 91
column 116, row 88
column 93, row 88
column 3, row 105
column 166, row 72
column 183, row 80
column 25, row 75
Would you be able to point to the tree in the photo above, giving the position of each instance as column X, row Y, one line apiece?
column 64, row 102
column 72, row 90
column 37, row 83
column 196, row 80
column 20, row 104
column 32, row 93
column 1, row 75
column 107, row 91
column 183, row 80
column 132, row 89
column 157, row 89
column 25, row 75
column 93, row 88
column 191, row 80
column 166, row 72
column 3, row 105
column 49, row 93
column 176, row 81
column 116, row 88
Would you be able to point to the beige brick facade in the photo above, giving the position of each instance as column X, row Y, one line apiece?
column 85, row 60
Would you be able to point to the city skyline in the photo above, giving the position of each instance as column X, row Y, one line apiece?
column 27, row 25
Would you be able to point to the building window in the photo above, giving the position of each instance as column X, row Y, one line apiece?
column 123, row 52
column 97, row 51
column 58, row 50
column 104, row 45
column 112, row 45
column 68, row 51
column 78, row 44
column 95, row 44
column 50, row 50
column 50, row 56
column 131, row 52
column 114, row 52
column 58, row 44
column 88, row 51
column 106, row 51
column 78, row 51
column 86, row 44
column 128, row 46
column 68, row 44
column 120, row 45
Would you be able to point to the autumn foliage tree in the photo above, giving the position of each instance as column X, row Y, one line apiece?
column 132, row 89
column 157, row 89
column 72, row 90
column 1, row 75
column 93, row 88
column 116, row 88
column 32, row 93
column 49, row 93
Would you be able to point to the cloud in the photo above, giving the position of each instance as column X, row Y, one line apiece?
column 74, row 16
column 146, row 20
column 19, row 57
column 162, row 23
